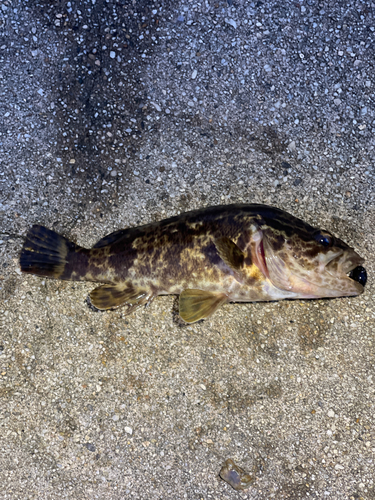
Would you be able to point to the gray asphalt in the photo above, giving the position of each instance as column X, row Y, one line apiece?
column 115, row 114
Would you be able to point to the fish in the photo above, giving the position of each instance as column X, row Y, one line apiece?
column 210, row 256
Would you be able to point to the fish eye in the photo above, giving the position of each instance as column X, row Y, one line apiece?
column 324, row 239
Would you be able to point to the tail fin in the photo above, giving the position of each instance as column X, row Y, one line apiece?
column 46, row 253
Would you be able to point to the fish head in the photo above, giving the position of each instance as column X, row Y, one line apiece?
column 308, row 262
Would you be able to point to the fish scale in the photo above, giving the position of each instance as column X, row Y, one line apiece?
column 233, row 253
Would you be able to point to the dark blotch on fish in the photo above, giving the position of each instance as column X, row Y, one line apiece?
column 235, row 476
column 359, row 275
column 233, row 253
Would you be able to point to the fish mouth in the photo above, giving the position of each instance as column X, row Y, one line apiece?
column 348, row 265
column 359, row 274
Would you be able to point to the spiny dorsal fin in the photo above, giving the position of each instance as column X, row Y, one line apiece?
column 112, row 296
column 197, row 304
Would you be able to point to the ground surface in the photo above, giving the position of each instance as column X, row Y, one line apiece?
column 119, row 113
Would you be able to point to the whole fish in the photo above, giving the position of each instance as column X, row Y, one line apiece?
column 234, row 253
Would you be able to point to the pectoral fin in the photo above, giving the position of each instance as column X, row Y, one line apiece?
column 231, row 255
column 197, row 304
column 112, row 296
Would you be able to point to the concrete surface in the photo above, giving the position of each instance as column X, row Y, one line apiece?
column 119, row 113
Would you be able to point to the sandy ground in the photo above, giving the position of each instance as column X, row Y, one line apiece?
column 115, row 114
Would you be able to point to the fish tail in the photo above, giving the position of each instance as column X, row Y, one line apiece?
column 47, row 253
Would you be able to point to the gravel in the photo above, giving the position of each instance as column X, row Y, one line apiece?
column 116, row 114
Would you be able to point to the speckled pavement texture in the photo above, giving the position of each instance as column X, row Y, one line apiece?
column 115, row 114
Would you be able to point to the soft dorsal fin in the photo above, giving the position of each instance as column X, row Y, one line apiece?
column 110, row 238
column 113, row 296
column 198, row 304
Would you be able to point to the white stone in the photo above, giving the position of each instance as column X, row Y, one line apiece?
column 231, row 22
column 156, row 106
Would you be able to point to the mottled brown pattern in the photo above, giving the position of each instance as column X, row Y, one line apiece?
column 247, row 252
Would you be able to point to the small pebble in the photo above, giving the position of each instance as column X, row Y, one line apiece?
column 231, row 22
column 235, row 476
column 156, row 106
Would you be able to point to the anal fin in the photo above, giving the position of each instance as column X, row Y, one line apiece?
column 198, row 304
column 113, row 296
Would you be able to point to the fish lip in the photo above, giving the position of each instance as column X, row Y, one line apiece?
column 351, row 264
column 345, row 262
